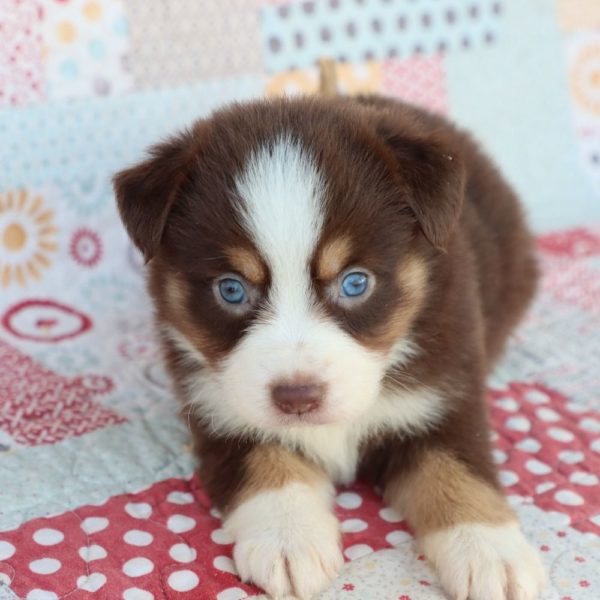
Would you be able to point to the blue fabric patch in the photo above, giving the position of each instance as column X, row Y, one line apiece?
column 298, row 34
column 118, row 459
column 88, row 140
column 514, row 96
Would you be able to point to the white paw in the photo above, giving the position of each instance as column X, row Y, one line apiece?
column 287, row 541
column 485, row 562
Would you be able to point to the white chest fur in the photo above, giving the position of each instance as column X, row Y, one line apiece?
column 336, row 447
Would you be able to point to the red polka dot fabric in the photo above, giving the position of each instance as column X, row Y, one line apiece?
column 43, row 407
column 164, row 541
column 167, row 542
column 549, row 449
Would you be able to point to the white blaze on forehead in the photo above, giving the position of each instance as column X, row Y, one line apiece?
column 282, row 193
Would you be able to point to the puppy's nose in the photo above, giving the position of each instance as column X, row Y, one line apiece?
column 298, row 398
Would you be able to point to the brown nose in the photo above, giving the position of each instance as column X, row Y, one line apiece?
column 297, row 398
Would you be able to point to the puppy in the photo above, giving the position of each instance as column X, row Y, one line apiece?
column 333, row 279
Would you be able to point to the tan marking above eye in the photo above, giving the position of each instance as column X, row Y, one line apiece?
column 248, row 264
column 333, row 258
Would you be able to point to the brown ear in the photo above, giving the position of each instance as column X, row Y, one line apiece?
column 146, row 192
column 434, row 175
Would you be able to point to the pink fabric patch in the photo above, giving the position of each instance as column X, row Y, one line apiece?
column 21, row 68
column 419, row 79
column 573, row 283
column 570, row 273
column 572, row 243
column 38, row 406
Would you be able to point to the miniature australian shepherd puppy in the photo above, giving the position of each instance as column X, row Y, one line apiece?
column 333, row 279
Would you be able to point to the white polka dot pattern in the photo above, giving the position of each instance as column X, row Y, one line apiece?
column 138, row 566
column 137, row 594
column 390, row 515
column 180, row 498
column 232, row 594
column 45, row 566
column 357, row 551
column 94, row 524
column 224, row 563
column 93, row 552
column 6, row 550
column 537, row 467
column 183, row 581
column 92, row 582
column 220, row 536
column 348, row 500
column 39, row 594
column 518, row 424
column 353, row 525
column 182, row 553
column 568, row 497
column 180, row 523
column 395, row 538
column 138, row 510
column 136, row 537
column 48, row 537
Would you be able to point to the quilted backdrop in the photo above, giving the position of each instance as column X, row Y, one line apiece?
column 97, row 493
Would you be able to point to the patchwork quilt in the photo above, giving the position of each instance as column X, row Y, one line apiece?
column 98, row 496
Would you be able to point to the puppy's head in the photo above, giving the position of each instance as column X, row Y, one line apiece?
column 287, row 256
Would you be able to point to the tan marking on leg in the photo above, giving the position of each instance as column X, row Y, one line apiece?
column 248, row 264
column 333, row 258
column 269, row 467
column 412, row 278
column 441, row 492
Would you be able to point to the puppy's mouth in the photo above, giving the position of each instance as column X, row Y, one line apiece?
column 318, row 417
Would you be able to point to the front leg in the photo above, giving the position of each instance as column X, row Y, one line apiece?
column 466, row 528
column 287, row 540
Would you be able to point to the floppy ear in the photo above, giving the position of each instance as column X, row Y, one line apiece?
column 434, row 175
column 146, row 192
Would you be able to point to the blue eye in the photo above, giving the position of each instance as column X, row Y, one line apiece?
column 232, row 290
column 355, row 284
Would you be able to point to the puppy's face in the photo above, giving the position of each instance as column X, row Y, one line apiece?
column 285, row 266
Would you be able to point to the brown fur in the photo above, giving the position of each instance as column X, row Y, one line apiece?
column 416, row 197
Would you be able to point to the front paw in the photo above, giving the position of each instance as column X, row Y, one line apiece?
column 287, row 541
column 485, row 562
